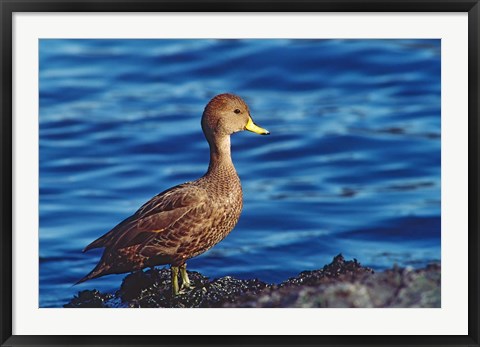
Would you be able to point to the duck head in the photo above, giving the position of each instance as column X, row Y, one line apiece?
column 226, row 114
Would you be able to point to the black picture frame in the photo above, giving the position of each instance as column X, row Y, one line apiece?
column 9, row 7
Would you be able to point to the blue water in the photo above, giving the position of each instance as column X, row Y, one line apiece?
column 352, row 164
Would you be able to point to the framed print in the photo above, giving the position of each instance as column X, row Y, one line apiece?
column 315, row 164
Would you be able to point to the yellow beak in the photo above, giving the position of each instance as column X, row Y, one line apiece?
column 251, row 126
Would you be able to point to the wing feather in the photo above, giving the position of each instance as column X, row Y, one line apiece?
column 155, row 216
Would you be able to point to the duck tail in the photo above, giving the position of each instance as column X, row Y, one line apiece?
column 98, row 271
column 100, row 242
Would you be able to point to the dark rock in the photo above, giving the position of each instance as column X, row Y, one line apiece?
column 331, row 272
column 153, row 289
column 351, row 286
column 339, row 284
column 89, row 299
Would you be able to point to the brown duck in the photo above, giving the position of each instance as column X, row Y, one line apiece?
column 186, row 220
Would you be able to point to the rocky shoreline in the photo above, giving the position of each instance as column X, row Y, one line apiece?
column 341, row 283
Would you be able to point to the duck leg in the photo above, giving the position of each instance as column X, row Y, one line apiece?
column 174, row 270
column 185, row 280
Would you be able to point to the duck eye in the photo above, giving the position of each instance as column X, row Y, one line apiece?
column 237, row 111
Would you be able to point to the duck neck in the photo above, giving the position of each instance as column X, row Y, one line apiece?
column 220, row 156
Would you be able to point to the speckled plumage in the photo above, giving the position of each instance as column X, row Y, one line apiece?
column 186, row 220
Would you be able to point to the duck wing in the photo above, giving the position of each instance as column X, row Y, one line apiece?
column 155, row 216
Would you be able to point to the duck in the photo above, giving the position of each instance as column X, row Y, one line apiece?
column 186, row 220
